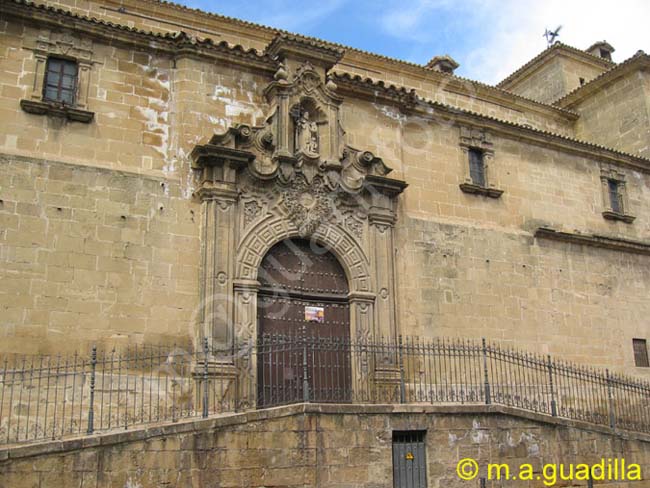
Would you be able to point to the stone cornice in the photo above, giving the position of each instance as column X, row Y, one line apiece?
column 284, row 45
column 466, row 87
column 542, row 58
column 595, row 240
column 181, row 44
column 176, row 45
column 264, row 35
column 411, row 102
column 640, row 61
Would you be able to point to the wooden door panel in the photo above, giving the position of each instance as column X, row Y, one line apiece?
column 304, row 326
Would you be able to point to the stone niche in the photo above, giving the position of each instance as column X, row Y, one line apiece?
column 293, row 177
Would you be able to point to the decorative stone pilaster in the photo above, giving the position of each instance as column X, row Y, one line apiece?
column 218, row 247
column 381, row 217
column 219, row 197
column 362, row 315
column 245, row 313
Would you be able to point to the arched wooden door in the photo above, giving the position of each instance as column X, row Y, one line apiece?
column 303, row 326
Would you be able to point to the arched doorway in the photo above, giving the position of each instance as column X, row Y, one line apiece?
column 303, row 326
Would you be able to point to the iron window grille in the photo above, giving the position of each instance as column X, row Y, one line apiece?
column 60, row 83
column 641, row 359
column 477, row 166
column 615, row 196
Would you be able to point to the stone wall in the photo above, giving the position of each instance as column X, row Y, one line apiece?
column 318, row 445
column 618, row 115
column 101, row 231
column 149, row 111
column 546, row 84
column 92, row 255
column 543, row 296
column 555, row 78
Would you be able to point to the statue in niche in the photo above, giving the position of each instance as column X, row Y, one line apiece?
column 307, row 135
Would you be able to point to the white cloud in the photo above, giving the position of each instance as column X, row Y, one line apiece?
column 502, row 35
column 515, row 36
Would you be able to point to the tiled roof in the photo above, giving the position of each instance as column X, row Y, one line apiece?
column 393, row 92
column 271, row 31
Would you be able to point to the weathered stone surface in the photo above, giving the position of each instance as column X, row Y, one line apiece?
column 320, row 448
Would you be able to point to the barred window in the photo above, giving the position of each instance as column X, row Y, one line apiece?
column 60, row 81
column 615, row 196
column 641, row 353
column 477, row 167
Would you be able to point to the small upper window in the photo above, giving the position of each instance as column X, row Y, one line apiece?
column 60, row 81
column 615, row 196
column 641, row 353
column 477, row 167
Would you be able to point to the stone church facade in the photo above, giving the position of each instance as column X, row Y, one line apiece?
column 140, row 211
column 154, row 156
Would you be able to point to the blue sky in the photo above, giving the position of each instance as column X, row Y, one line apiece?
column 489, row 38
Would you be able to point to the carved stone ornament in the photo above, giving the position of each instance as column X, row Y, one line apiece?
column 294, row 176
column 300, row 148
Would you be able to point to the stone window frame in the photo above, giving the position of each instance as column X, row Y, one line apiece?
column 608, row 174
column 476, row 139
column 63, row 45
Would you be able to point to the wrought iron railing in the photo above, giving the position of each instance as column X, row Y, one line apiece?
column 51, row 397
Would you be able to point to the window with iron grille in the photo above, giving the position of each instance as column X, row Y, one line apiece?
column 477, row 167
column 615, row 196
column 60, row 81
column 409, row 459
column 641, row 353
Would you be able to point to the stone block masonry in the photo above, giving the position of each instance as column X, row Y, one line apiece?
column 91, row 255
column 317, row 445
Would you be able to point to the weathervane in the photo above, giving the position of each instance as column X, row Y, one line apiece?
column 551, row 35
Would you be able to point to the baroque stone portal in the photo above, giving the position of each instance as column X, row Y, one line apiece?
column 294, row 176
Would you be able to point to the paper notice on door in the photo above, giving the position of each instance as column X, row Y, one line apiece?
column 314, row 314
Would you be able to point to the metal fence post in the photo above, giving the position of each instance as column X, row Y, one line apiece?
column 91, row 408
column 205, row 377
column 305, row 379
column 488, row 395
column 550, row 379
column 610, row 401
column 402, row 386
